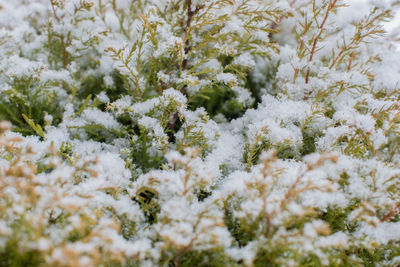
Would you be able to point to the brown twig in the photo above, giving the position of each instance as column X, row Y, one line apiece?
column 188, row 47
column 276, row 24
column 190, row 14
column 54, row 10
column 391, row 214
column 331, row 6
column 352, row 56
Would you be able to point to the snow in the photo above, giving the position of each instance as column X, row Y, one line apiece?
column 151, row 168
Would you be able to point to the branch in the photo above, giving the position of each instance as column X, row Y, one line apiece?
column 190, row 14
column 391, row 214
column 331, row 6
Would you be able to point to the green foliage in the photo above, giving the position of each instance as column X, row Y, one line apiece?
column 11, row 257
column 204, row 259
column 211, row 98
column 29, row 96
column 198, row 133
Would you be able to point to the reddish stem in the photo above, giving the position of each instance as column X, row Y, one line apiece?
column 391, row 214
column 321, row 27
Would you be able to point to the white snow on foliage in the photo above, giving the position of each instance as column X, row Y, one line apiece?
column 123, row 153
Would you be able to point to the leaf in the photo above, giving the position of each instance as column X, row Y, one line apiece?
column 36, row 127
column 84, row 105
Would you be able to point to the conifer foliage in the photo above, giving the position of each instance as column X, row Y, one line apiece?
column 199, row 133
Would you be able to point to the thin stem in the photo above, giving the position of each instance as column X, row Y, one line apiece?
column 188, row 29
column 331, row 5
column 353, row 54
column 391, row 214
column 54, row 10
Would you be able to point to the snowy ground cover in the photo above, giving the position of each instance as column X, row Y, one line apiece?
column 199, row 133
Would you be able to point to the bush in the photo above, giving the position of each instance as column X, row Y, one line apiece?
column 199, row 133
